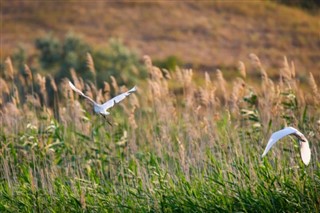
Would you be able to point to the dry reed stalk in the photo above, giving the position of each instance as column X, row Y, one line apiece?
column 22, row 81
column 67, row 92
column 4, row 88
column 89, row 91
column 222, row 85
column 237, row 94
column 178, row 74
column 100, row 97
column 154, row 72
column 55, row 97
column 242, row 69
column 11, row 114
column 114, row 85
column 131, row 119
column 148, row 63
column 270, row 101
column 314, row 88
column 293, row 70
column 90, row 64
column 28, row 74
column 207, row 79
column 93, row 88
column 9, row 69
column 182, row 155
column 157, row 74
column 33, row 100
column 76, row 80
column 285, row 71
column 134, row 100
column 16, row 98
column 255, row 61
column 187, row 76
column 210, row 90
column 204, row 97
column 313, row 84
column 41, row 80
column 53, row 83
column 106, row 91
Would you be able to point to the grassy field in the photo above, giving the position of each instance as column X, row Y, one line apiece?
column 205, row 36
column 177, row 145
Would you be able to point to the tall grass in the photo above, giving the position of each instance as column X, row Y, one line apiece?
column 176, row 146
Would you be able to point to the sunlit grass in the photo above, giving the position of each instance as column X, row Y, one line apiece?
column 179, row 145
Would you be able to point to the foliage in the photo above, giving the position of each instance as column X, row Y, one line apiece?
column 187, row 148
column 116, row 60
column 312, row 5
column 169, row 63
column 50, row 50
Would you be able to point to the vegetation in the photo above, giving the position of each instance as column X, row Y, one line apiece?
column 116, row 60
column 204, row 35
column 177, row 145
column 311, row 5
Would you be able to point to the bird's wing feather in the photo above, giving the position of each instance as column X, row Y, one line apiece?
column 277, row 136
column 80, row 93
column 305, row 152
column 117, row 99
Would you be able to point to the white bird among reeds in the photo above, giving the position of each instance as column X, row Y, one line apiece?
column 303, row 142
column 102, row 108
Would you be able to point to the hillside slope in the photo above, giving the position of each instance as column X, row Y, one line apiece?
column 205, row 35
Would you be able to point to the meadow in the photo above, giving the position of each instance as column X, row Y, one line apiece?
column 180, row 144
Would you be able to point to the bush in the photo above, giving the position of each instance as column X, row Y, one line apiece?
column 50, row 51
column 119, row 61
column 116, row 60
column 169, row 63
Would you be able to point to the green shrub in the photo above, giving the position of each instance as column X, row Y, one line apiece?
column 115, row 60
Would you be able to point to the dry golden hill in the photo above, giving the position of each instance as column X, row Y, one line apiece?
column 206, row 35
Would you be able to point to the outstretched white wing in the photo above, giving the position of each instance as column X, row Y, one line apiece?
column 80, row 93
column 303, row 142
column 277, row 136
column 117, row 99
column 305, row 152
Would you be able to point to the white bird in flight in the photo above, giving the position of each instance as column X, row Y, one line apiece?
column 102, row 108
column 303, row 142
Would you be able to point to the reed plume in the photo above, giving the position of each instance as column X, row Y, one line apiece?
column 242, row 69
column 106, row 90
column 255, row 61
column 9, row 69
column 222, row 85
column 41, row 80
column 114, row 85
column 28, row 74
column 314, row 88
column 90, row 64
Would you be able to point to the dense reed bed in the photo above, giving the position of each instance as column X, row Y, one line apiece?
column 179, row 144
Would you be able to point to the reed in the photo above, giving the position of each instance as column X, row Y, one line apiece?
column 175, row 145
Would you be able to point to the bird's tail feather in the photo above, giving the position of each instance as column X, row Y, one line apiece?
column 133, row 89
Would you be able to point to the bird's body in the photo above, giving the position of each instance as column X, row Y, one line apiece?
column 102, row 108
column 303, row 142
